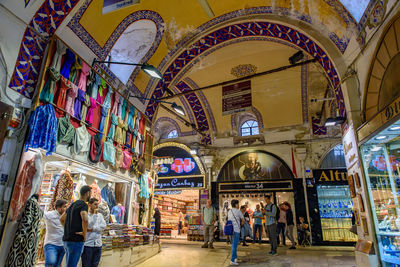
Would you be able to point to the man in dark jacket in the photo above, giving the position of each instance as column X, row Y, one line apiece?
column 289, row 224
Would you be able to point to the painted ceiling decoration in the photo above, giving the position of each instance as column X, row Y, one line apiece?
column 242, row 30
column 46, row 21
column 243, row 70
column 103, row 51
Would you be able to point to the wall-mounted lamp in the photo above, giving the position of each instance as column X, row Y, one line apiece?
column 334, row 121
column 178, row 109
column 147, row 68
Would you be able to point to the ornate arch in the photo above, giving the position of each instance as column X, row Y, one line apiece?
column 254, row 29
column 102, row 52
column 167, row 119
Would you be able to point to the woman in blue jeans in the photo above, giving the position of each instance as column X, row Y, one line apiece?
column 237, row 219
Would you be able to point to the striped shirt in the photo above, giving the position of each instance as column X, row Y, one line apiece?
column 270, row 214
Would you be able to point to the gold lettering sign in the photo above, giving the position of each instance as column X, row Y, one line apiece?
column 332, row 176
column 391, row 111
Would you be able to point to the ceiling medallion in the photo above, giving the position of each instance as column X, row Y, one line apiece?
column 243, row 70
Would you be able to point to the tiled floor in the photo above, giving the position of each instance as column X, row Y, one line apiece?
column 185, row 254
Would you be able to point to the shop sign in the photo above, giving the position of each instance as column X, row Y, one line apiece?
column 112, row 5
column 350, row 147
column 189, row 182
column 391, row 111
column 256, row 186
column 168, row 192
column 236, row 98
column 330, row 175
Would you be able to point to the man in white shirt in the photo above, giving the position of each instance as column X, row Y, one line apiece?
column 53, row 243
column 92, row 250
column 180, row 223
column 237, row 219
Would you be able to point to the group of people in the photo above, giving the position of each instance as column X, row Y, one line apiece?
column 279, row 221
column 74, row 232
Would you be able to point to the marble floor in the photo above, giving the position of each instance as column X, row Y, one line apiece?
column 184, row 254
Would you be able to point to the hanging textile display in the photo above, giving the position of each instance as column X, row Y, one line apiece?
column 24, row 247
column 27, row 183
column 61, row 49
column 64, row 189
column 74, row 70
column 82, row 140
column 61, row 94
column 42, row 129
column 119, row 137
column 94, row 86
column 104, row 110
column 96, row 149
column 47, row 93
column 107, row 194
column 144, row 186
column 122, row 109
column 71, row 95
column 85, row 106
column 78, row 104
column 103, row 85
column 83, row 76
column 65, row 131
column 89, row 116
column 69, row 60
column 119, row 156
column 114, row 123
column 126, row 163
column 109, row 152
column 96, row 191
column 117, row 212
column 115, row 107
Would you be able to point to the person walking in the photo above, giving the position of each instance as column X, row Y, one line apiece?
column 157, row 221
column 180, row 223
column 75, row 221
column 245, row 229
column 281, row 225
column 270, row 211
column 257, row 226
column 53, row 243
column 237, row 219
column 290, row 224
column 208, row 218
column 92, row 250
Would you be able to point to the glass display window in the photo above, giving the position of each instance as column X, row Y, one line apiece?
column 335, row 206
column 381, row 161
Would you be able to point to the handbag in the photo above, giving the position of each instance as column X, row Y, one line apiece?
column 228, row 228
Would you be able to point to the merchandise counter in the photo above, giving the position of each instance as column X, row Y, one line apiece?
column 132, row 256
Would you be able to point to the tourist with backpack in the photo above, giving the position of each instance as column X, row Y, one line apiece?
column 271, row 213
column 232, row 227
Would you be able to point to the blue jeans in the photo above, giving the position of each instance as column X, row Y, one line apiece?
column 53, row 255
column 257, row 228
column 73, row 251
column 235, row 241
column 280, row 230
column 91, row 256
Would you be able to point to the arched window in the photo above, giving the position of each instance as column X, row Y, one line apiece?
column 249, row 127
column 334, row 158
column 172, row 134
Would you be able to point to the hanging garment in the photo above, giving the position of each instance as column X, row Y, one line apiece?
column 144, row 186
column 135, row 134
column 107, row 194
column 83, row 76
column 103, row 85
column 42, row 129
column 105, row 211
column 81, row 182
column 27, row 183
column 117, row 212
column 24, row 247
column 65, row 131
column 74, row 70
column 95, row 190
column 109, row 152
column 137, row 145
column 78, row 104
column 115, row 107
column 93, row 88
column 119, row 137
column 127, row 160
column 69, row 60
column 71, row 95
column 85, row 106
column 96, row 149
column 104, row 110
column 61, row 95
column 89, row 116
column 130, row 117
column 119, row 156
column 61, row 49
column 64, row 190
column 142, row 124
column 47, row 93
column 114, row 123
column 122, row 109
column 82, row 140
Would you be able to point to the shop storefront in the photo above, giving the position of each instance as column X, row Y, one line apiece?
column 248, row 177
column 178, row 191
column 84, row 132
column 380, row 153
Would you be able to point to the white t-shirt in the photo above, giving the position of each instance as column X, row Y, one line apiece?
column 54, row 229
column 235, row 216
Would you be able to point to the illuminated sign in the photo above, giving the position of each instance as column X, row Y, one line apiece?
column 189, row 182
column 330, row 175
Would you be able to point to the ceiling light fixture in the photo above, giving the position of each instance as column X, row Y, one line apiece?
column 381, row 137
column 147, row 68
column 394, row 128
column 296, row 57
column 178, row 109
column 376, row 148
column 193, row 151
column 334, row 121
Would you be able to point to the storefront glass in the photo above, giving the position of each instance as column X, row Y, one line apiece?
column 381, row 161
